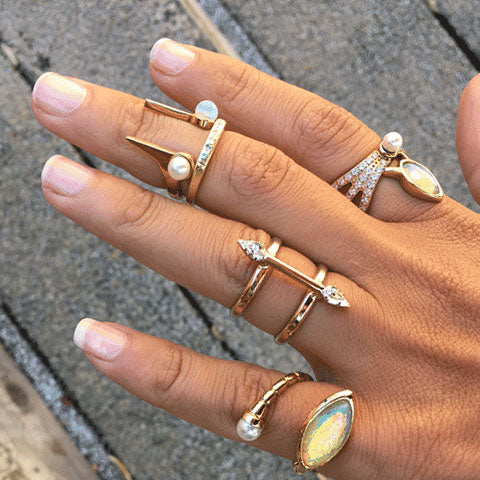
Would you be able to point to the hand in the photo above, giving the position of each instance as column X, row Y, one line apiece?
column 409, row 346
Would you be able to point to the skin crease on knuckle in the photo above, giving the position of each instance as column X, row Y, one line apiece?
column 167, row 375
column 236, row 86
column 328, row 128
column 256, row 171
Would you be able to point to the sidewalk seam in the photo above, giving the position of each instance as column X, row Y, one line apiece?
column 452, row 32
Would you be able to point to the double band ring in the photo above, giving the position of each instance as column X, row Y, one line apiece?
column 389, row 160
column 268, row 261
column 180, row 166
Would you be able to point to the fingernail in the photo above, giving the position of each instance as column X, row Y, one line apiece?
column 57, row 95
column 99, row 339
column 170, row 57
column 65, row 176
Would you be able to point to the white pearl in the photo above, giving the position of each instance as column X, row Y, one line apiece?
column 392, row 142
column 248, row 432
column 207, row 110
column 179, row 168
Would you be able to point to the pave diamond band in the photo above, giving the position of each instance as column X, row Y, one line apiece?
column 359, row 183
column 363, row 178
column 204, row 158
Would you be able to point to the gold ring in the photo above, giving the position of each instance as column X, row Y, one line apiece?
column 179, row 166
column 203, row 159
column 303, row 309
column 392, row 161
column 250, row 426
column 259, row 276
column 257, row 251
column 325, row 432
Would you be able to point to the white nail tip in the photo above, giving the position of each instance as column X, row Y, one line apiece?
column 80, row 332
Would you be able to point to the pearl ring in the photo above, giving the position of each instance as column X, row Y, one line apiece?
column 177, row 167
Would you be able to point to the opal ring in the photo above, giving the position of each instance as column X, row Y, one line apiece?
column 250, row 426
column 325, row 432
column 389, row 160
column 257, row 251
column 260, row 275
column 302, row 311
column 180, row 166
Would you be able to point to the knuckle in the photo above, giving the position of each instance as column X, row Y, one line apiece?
column 133, row 119
column 235, row 265
column 323, row 125
column 256, row 170
column 138, row 210
column 236, row 81
column 167, row 372
column 128, row 118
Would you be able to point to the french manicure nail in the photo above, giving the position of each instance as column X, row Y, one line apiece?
column 103, row 341
column 170, row 57
column 57, row 95
column 65, row 176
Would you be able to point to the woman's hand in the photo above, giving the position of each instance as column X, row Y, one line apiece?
column 409, row 345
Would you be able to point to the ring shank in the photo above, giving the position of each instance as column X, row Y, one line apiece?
column 302, row 311
column 262, row 272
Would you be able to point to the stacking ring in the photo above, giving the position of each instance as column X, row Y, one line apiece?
column 180, row 166
column 261, row 273
column 302, row 311
column 389, row 160
column 257, row 252
column 250, row 426
column 204, row 158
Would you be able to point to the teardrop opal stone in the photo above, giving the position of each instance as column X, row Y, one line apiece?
column 326, row 432
column 423, row 179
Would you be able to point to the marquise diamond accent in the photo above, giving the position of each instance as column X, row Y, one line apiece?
column 255, row 250
column 363, row 178
column 333, row 296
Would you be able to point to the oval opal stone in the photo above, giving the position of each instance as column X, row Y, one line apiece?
column 326, row 433
column 422, row 178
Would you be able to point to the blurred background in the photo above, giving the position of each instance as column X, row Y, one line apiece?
column 396, row 64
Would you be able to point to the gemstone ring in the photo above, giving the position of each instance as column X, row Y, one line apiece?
column 389, row 160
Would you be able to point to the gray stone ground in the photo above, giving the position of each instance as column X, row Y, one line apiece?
column 391, row 63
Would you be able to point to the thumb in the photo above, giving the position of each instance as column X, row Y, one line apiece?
column 468, row 136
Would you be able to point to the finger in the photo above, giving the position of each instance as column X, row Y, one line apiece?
column 305, row 126
column 189, row 246
column 209, row 392
column 468, row 135
column 321, row 136
column 246, row 180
